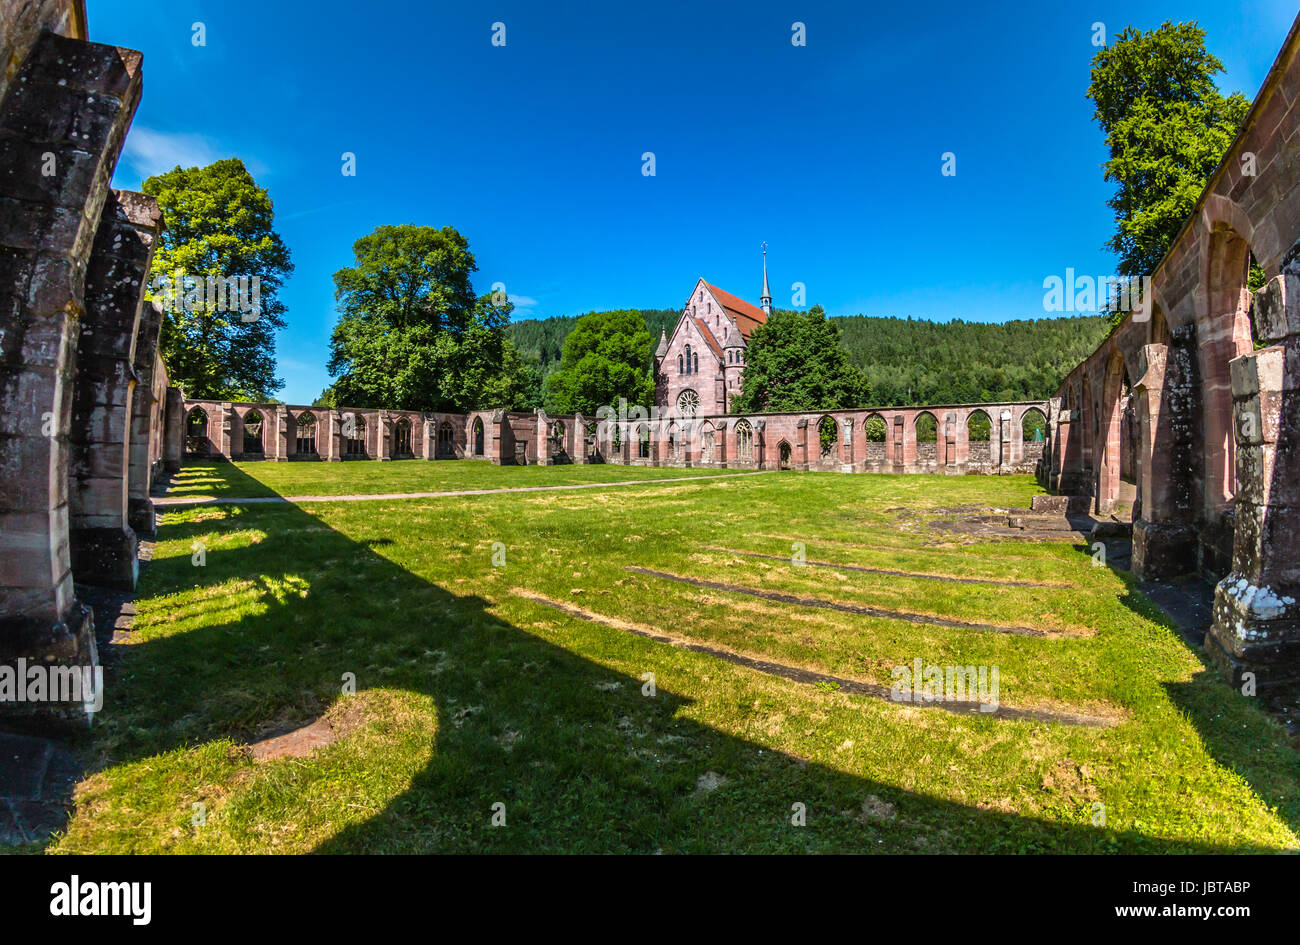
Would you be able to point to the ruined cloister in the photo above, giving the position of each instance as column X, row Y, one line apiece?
column 1184, row 420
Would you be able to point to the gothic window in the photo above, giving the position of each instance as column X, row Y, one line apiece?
column 196, row 432
column 252, row 432
column 679, row 365
column 695, row 365
column 478, row 436
column 402, row 437
column 354, row 435
column 445, row 435
column 688, row 359
column 688, row 402
column 305, row 444
column 744, row 442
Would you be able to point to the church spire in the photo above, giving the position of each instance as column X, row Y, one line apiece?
column 766, row 298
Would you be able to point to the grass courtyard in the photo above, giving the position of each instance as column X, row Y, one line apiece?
column 501, row 648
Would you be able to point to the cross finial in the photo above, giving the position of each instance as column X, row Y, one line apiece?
column 764, row 247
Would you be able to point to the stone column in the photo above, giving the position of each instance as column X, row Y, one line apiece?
column 579, row 441
column 383, row 436
column 846, row 441
column 1256, row 627
column 1164, row 539
column 174, row 430
column 144, row 414
column 279, row 421
column 897, row 451
column 64, row 116
column 542, row 425
column 800, row 459
column 948, row 436
column 103, row 545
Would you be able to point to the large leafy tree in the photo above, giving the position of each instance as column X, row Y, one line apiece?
column 795, row 361
column 1167, row 127
column 606, row 356
column 218, row 223
column 411, row 333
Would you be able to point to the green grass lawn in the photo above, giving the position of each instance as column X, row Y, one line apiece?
column 471, row 692
column 264, row 479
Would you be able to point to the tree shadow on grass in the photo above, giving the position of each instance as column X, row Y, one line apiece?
column 1238, row 733
column 580, row 759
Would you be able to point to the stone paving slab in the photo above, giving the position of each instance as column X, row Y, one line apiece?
column 174, row 501
column 37, row 777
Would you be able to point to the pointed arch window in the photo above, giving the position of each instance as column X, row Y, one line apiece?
column 679, row 365
column 695, row 364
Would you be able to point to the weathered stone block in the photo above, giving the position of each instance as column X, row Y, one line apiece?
column 1163, row 550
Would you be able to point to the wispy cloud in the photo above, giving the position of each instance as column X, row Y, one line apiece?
column 149, row 151
column 524, row 306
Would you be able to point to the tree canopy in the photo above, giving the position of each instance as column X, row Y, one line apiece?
column 795, row 361
column 1167, row 127
column 606, row 356
column 411, row 333
column 218, row 223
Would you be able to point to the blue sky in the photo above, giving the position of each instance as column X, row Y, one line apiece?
column 830, row 152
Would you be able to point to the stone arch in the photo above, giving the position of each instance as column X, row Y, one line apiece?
column 674, row 443
column 305, row 434
column 402, row 438
column 926, row 428
column 254, row 427
column 353, row 430
column 744, row 442
column 708, row 443
column 875, row 433
column 783, row 453
column 1109, row 463
column 828, row 438
column 1227, row 334
column 979, row 438
column 446, row 441
column 476, row 435
column 196, row 433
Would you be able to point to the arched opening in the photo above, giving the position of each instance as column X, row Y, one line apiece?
column 688, row 359
column 978, row 432
column 253, row 433
column 674, row 444
column 828, row 436
column 707, row 443
column 927, row 438
column 446, row 441
column 305, row 436
column 353, row 429
column 1112, row 431
column 643, row 440
column 1228, row 335
column 744, row 442
column 478, row 436
column 196, row 432
column 1033, row 431
column 402, row 438
column 783, row 455
column 874, row 432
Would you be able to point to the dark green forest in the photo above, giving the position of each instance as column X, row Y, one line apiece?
column 909, row 361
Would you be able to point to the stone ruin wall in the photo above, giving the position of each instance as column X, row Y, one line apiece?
column 219, row 430
column 1217, row 420
column 82, row 390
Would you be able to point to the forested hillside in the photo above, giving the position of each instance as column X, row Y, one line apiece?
column 909, row 361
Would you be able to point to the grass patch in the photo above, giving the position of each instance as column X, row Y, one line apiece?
column 471, row 695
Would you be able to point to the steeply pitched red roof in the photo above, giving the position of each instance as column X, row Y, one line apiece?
column 748, row 317
column 708, row 337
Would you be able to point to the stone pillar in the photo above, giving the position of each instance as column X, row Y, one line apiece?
column 1256, row 627
column 383, row 436
column 498, row 438
column 278, row 420
column 760, row 444
column 103, row 544
column 898, row 453
column 174, row 430
column 1164, row 538
column 579, row 441
column 62, row 122
column 846, row 441
column 800, row 458
column 144, row 414
column 908, row 432
column 948, row 437
column 542, row 425
column 232, row 432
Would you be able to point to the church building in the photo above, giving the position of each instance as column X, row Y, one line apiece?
column 698, row 368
